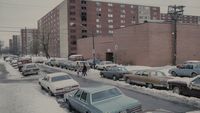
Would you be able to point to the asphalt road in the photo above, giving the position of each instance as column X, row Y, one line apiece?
column 148, row 102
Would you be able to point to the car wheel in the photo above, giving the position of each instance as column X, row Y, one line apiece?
column 50, row 92
column 193, row 74
column 102, row 75
column 149, row 85
column 114, row 78
column 128, row 81
column 176, row 90
column 174, row 73
column 69, row 106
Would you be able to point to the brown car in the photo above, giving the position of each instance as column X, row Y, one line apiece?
column 149, row 78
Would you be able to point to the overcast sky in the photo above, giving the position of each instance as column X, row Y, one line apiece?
column 20, row 13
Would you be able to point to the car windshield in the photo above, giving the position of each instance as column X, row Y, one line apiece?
column 102, row 95
column 60, row 78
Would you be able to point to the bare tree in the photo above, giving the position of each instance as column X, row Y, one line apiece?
column 45, row 44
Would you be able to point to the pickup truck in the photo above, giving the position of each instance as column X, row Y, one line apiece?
column 186, row 86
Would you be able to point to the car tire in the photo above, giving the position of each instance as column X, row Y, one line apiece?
column 193, row 74
column 174, row 73
column 50, row 92
column 149, row 85
column 176, row 90
column 128, row 81
column 102, row 75
column 114, row 77
column 69, row 106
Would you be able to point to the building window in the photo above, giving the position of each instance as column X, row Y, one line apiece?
column 98, row 15
column 72, row 7
column 72, row 13
column 72, row 1
column 73, row 36
column 132, row 6
column 98, row 31
column 110, row 31
column 110, row 10
column 122, row 21
column 72, row 30
column 122, row 26
column 123, row 11
column 110, row 4
column 72, row 18
column 110, row 21
column 110, row 26
column 133, row 22
column 84, row 36
column 83, row 8
column 84, row 31
column 83, row 2
column 97, row 20
column 122, row 16
column 84, row 25
column 74, row 42
column 98, row 26
column 98, row 9
column 110, row 15
column 154, row 8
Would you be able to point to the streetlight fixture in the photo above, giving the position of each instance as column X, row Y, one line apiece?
column 93, row 44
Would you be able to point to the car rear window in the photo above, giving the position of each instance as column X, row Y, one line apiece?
column 102, row 95
column 60, row 78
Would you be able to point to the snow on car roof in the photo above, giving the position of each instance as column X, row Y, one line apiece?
column 95, row 89
column 57, row 74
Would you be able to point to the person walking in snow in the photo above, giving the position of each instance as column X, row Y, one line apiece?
column 84, row 70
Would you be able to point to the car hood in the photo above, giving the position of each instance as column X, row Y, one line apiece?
column 64, row 83
column 117, row 104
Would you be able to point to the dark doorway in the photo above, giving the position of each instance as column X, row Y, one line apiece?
column 109, row 56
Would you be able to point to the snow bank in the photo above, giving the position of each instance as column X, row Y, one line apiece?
column 13, row 73
column 26, row 98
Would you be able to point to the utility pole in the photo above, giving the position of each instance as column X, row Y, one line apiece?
column 175, row 12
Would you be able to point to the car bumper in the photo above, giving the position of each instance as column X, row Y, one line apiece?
column 62, row 92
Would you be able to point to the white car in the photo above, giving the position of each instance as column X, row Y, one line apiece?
column 58, row 83
column 30, row 68
column 105, row 64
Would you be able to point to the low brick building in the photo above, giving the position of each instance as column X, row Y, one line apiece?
column 147, row 44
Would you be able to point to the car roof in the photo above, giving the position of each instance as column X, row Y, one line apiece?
column 95, row 89
column 56, row 74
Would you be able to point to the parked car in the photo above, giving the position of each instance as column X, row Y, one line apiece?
column 186, row 70
column 58, row 83
column 59, row 61
column 52, row 62
column 30, row 68
column 23, row 61
column 91, row 62
column 101, row 99
column 149, row 78
column 105, row 64
column 66, row 64
column 186, row 86
column 14, row 63
column 114, row 73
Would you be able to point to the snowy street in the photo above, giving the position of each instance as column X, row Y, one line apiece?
column 23, row 94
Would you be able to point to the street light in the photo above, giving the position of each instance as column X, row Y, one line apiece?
column 93, row 44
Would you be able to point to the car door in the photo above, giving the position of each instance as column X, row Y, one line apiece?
column 84, row 103
column 75, row 100
column 145, row 77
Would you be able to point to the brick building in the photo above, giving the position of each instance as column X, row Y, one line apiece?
column 28, row 37
column 75, row 19
column 185, row 19
column 145, row 44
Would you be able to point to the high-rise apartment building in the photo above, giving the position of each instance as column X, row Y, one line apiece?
column 186, row 19
column 10, row 45
column 28, row 37
column 75, row 19
column 16, row 44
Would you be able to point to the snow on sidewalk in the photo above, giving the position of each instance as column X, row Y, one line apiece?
column 13, row 73
column 27, row 98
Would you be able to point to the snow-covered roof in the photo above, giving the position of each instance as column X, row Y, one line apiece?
column 56, row 74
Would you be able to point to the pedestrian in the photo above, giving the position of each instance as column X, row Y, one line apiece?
column 84, row 70
column 78, row 68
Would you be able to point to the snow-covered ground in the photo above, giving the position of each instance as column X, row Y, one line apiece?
column 27, row 98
